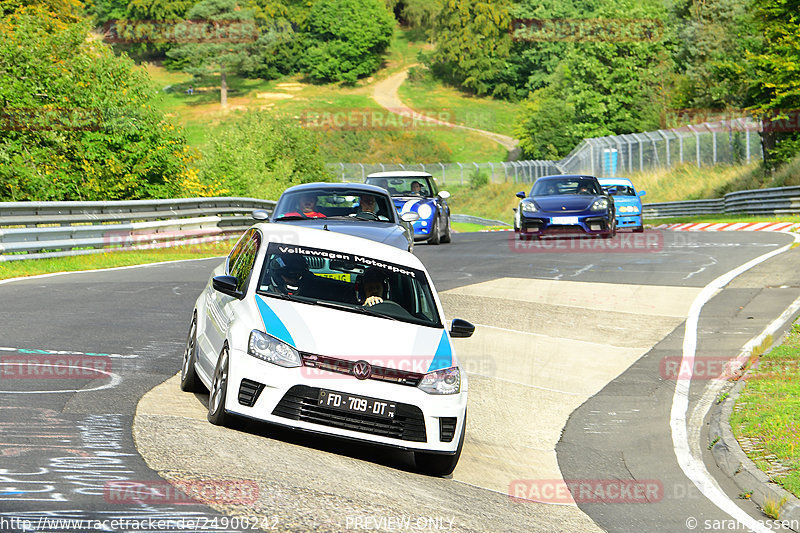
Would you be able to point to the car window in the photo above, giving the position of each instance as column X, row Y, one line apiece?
column 622, row 190
column 329, row 203
column 553, row 187
column 320, row 276
column 405, row 186
column 243, row 258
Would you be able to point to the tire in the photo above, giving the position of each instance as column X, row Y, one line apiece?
column 446, row 238
column 218, row 392
column 638, row 229
column 189, row 380
column 612, row 232
column 436, row 464
column 435, row 238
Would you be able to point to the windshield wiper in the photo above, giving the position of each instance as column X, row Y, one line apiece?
column 289, row 297
column 292, row 217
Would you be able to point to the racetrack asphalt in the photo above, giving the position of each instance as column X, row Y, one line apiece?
column 563, row 348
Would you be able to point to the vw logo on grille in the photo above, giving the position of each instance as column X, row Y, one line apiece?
column 362, row 370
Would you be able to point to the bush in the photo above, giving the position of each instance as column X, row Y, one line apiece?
column 257, row 155
column 81, row 123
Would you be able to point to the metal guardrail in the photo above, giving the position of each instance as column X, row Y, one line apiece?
column 33, row 230
column 469, row 219
column 766, row 202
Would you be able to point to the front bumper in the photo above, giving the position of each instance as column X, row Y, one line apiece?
column 286, row 396
column 629, row 221
column 544, row 224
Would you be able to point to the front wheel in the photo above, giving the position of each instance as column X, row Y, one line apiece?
column 218, row 392
column 189, row 380
column 435, row 238
column 436, row 464
column 639, row 229
column 446, row 237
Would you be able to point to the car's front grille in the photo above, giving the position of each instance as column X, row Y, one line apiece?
column 344, row 366
column 302, row 403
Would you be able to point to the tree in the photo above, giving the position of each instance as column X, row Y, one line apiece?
column 225, row 35
column 345, row 39
column 472, row 45
column 80, row 123
column 776, row 85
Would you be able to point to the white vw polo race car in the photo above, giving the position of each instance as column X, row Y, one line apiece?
column 334, row 334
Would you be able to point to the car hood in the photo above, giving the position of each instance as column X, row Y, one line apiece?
column 564, row 203
column 384, row 232
column 411, row 204
column 626, row 200
column 320, row 330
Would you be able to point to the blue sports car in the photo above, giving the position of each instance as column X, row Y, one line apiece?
column 416, row 192
column 566, row 204
column 628, row 203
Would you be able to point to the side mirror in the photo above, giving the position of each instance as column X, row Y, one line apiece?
column 227, row 285
column 260, row 214
column 444, row 195
column 409, row 216
column 642, row 193
column 520, row 195
column 461, row 328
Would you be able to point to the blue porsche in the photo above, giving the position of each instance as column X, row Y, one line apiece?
column 416, row 192
column 566, row 204
column 627, row 201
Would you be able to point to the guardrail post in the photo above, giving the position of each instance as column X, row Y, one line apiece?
column 697, row 143
column 444, row 180
column 492, row 166
column 363, row 173
column 461, row 167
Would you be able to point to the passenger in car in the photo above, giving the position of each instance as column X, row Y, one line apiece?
column 307, row 205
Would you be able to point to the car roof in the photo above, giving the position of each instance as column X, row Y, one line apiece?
column 561, row 176
column 338, row 186
column 400, row 174
column 296, row 235
column 615, row 181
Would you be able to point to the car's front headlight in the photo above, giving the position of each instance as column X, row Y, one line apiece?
column 601, row 204
column 631, row 209
column 424, row 211
column 445, row 381
column 269, row 349
column 529, row 207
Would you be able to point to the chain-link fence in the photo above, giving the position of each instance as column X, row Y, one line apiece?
column 453, row 173
column 707, row 144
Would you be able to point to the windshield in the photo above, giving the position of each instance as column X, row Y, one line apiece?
column 622, row 190
column 405, row 186
column 349, row 282
column 328, row 203
column 553, row 187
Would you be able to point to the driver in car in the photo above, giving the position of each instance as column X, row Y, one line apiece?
column 368, row 205
column 416, row 188
column 374, row 282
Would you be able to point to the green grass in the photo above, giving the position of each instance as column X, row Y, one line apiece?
column 34, row 267
column 464, row 227
column 768, row 411
column 432, row 97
